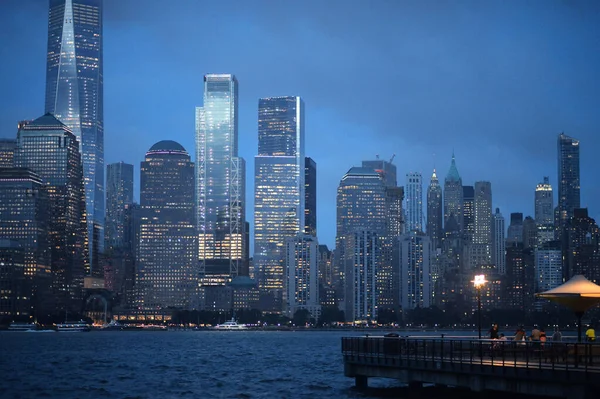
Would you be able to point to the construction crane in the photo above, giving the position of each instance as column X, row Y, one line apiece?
column 392, row 158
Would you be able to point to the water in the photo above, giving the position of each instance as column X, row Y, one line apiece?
column 185, row 364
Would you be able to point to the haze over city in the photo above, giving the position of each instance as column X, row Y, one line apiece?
column 496, row 84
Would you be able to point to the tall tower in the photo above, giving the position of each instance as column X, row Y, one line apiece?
column 483, row 213
column 47, row 147
column 220, row 181
column 74, row 94
column 434, row 211
column 279, row 191
column 468, row 213
column 168, row 247
column 568, row 178
column 544, row 212
column 119, row 192
column 302, row 275
column 414, row 202
column 386, row 169
column 310, row 197
column 499, row 243
column 415, row 275
column 453, row 196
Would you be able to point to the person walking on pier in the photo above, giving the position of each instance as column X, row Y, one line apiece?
column 494, row 331
column 557, row 336
column 590, row 334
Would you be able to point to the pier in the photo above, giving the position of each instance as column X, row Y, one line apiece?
column 560, row 369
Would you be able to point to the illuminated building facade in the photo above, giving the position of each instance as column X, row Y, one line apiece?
column 220, row 182
column 482, row 221
column 361, row 261
column 279, row 191
column 499, row 243
column 47, row 147
column 453, row 196
column 468, row 213
column 167, row 270
column 15, row 298
column 544, row 212
column 416, row 288
column 119, row 193
column 414, row 202
column 568, row 179
column 74, row 94
column 7, row 152
column 302, row 275
column 434, row 211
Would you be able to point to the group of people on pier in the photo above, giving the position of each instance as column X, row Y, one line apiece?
column 537, row 334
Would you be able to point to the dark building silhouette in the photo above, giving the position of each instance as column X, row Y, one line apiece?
column 15, row 301
column 310, row 199
column 119, row 193
column 435, row 217
column 47, row 147
column 520, row 277
column 468, row 212
column 453, row 196
column 515, row 229
column 568, row 178
column 583, row 251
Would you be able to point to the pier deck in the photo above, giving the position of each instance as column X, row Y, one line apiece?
column 553, row 369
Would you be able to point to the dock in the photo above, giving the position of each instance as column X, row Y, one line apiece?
column 559, row 369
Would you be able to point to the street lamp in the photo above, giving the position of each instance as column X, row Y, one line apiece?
column 479, row 282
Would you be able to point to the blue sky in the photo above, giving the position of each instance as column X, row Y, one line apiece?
column 494, row 81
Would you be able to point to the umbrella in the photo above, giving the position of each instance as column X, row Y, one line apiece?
column 578, row 294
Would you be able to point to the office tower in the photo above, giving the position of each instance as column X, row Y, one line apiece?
column 7, row 152
column 395, row 212
column 453, row 196
column 520, row 276
column 74, row 94
column 301, row 273
column 515, row 229
column 568, row 178
column 583, row 247
column 325, row 263
column 499, row 243
column 119, row 192
column 279, row 194
column 483, row 213
column 361, row 261
column 529, row 233
column 386, row 170
column 434, row 212
column 220, row 181
column 415, row 265
column 310, row 196
column 361, row 205
column 548, row 266
column 414, row 202
column 468, row 212
column 167, row 252
column 15, row 301
column 544, row 212
column 24, row 223
column 47, row 147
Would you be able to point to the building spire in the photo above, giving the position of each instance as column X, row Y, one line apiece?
column 453, row 174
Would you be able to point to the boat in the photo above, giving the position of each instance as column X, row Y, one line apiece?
column 113, row 325
column 22, row 327
column 231, row 325
column 73, row 326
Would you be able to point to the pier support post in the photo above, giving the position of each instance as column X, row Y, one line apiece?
column 361, row 382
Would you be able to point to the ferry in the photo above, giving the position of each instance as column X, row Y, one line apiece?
column 22, row 327
column 230, row 325
column 73, row 326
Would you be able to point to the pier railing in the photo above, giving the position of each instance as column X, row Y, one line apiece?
column 463, row 354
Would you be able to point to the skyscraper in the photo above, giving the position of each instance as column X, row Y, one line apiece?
column 568, row 178
column 362, row 257
column 453, row 196
column 167, row 262
column 414, row 202
column 386, row 169
column 544, row 212
column 415, row 275
column 279, row 195
column 499, row 243
column 7, row 152
column 483, row 213
column 515, row 229
column 220, row 181
column 434, row 212
column 310, row 196
column 302, row 275
column 74, row 94
column 468, row 213
column 47, row 147
column 119, row 193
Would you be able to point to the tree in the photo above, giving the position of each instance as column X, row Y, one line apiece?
column 301, row 317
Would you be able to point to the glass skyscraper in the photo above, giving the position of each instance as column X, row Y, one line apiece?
column 453, row 196
column 74, row 94
column 414, row 202
column 568, row 178
column 119, row 192
column 220, row 182
column 279, row 195
column 310, row 197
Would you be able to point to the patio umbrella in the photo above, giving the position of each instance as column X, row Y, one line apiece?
column 578, row 294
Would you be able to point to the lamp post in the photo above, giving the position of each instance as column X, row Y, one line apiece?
column 478, row 282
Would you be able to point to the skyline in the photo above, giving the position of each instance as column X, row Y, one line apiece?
column 559, row 42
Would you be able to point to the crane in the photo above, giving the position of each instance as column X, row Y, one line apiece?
column 392, row 158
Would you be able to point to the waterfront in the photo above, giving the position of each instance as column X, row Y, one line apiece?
column 205, row 364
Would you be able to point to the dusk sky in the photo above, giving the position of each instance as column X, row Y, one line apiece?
column 495, row 81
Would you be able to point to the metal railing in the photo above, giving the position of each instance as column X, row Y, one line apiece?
column 492, row 356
